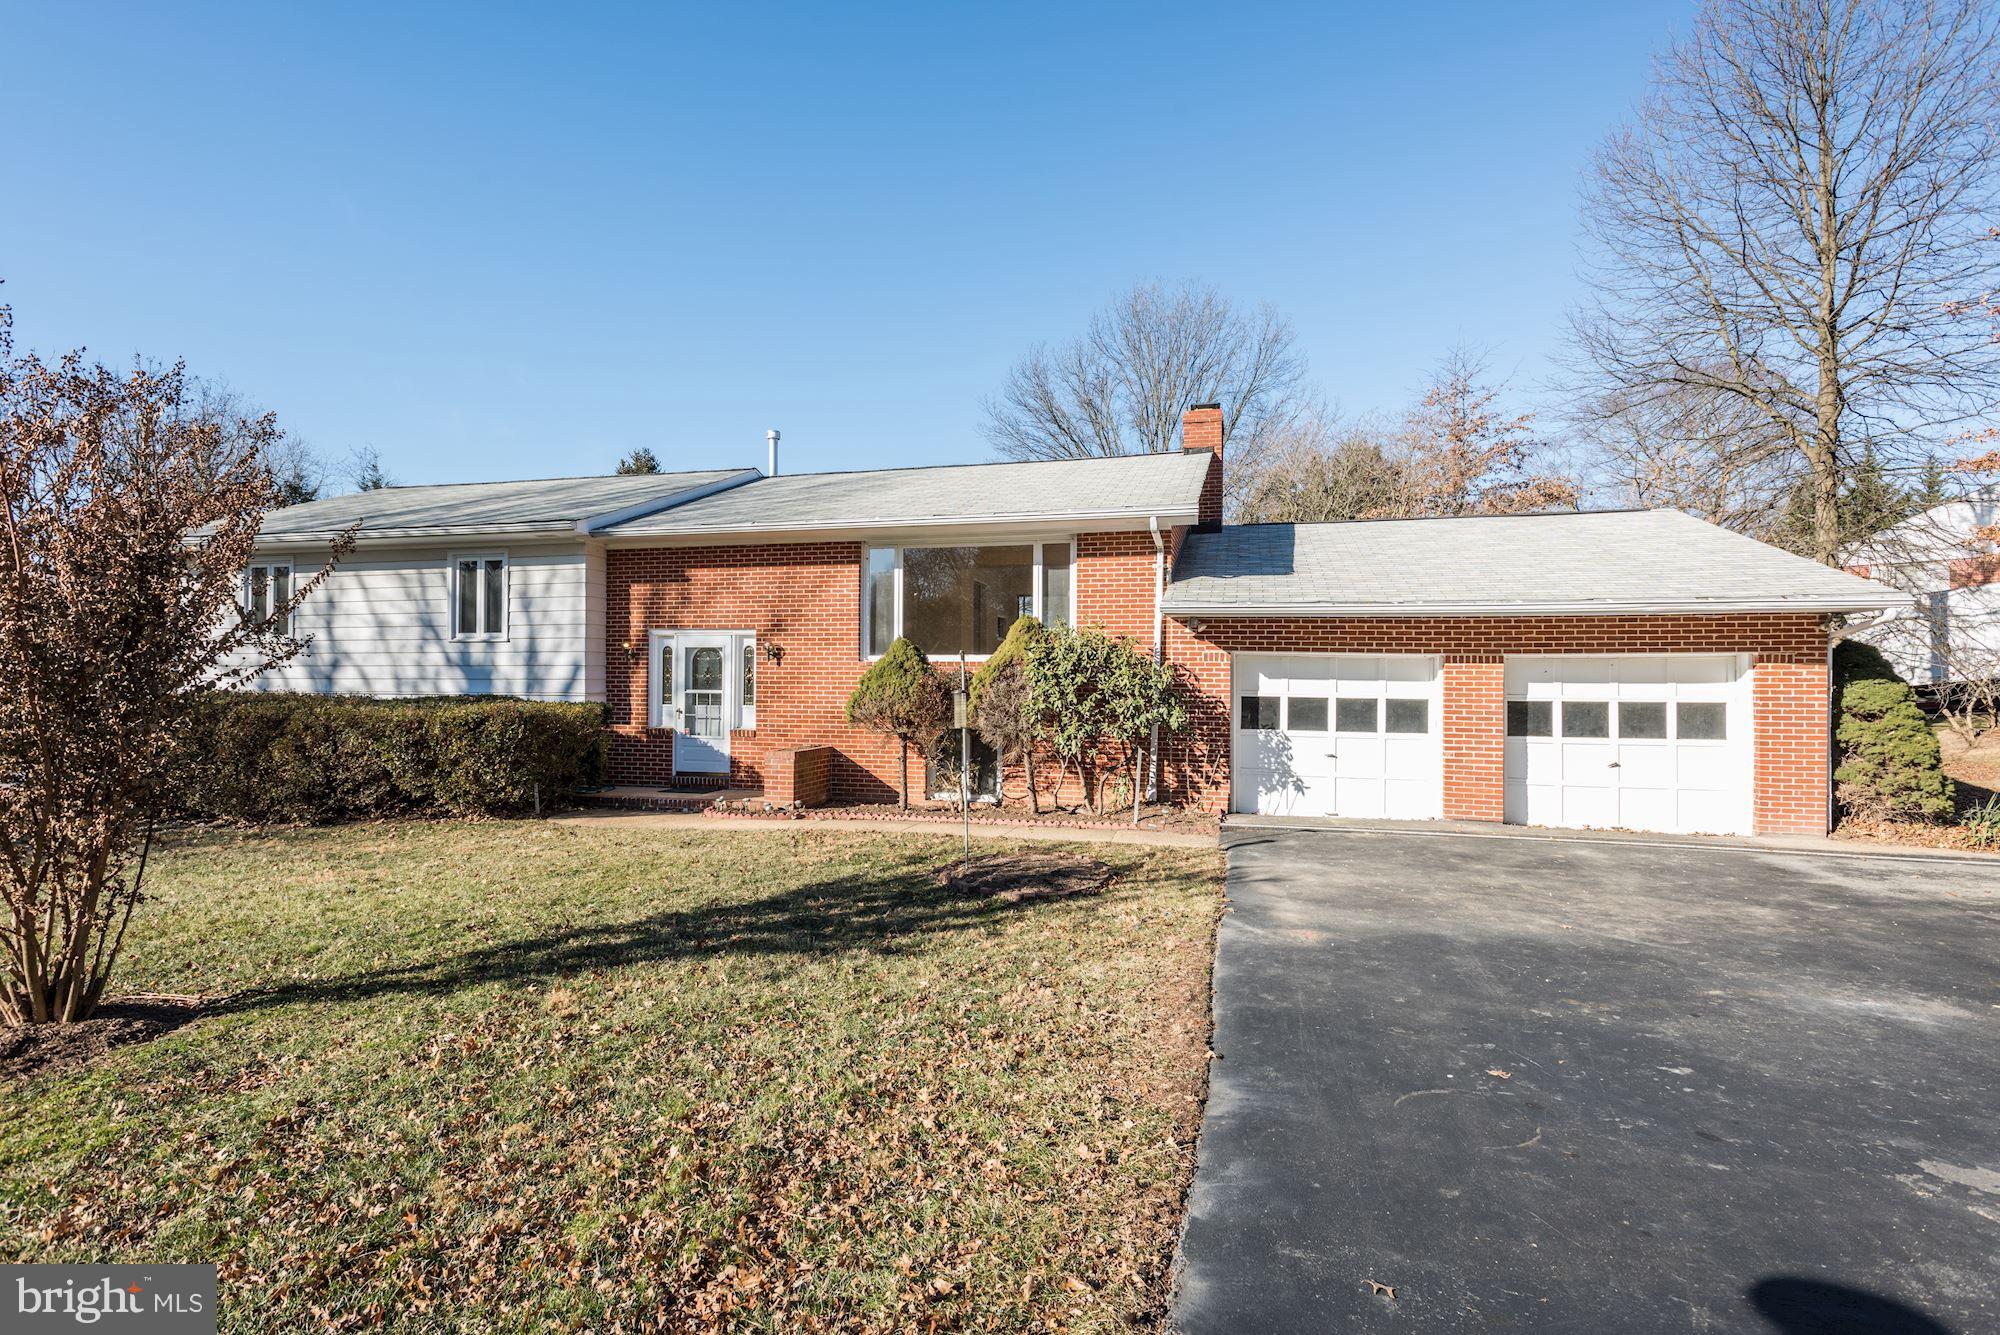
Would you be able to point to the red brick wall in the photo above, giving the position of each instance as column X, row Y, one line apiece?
column 1789, row 693
column 1201, row 429
column 798, row 775
column 1474, row 736
column 1115, row 574
column 806, row 599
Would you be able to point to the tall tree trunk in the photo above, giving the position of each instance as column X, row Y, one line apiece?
column 1028, row 763
column 1824, row 455
column 903, row 761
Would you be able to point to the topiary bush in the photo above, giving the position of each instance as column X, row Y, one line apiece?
column 263, row 758
column 900, row 696
column 1889, row 766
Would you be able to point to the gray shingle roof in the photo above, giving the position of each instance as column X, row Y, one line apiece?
column 1607, row 561
column 1128, row 487
column 545, row 505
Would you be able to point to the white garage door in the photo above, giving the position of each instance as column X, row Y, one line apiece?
column 1321, row 735
column 1644, row 743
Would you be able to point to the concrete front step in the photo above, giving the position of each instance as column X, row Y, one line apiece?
column 644, row 797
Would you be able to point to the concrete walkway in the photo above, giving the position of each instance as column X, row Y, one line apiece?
column 1060, row 834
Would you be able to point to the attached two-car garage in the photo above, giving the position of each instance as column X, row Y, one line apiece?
column 1640, row 742
column 1637, row 670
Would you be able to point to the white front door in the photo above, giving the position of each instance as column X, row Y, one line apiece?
column 1331, row 735
column 705, row 702
column 1654, row 742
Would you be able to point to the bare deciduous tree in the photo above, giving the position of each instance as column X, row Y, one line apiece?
column 365, row 471
column 1121, row 388
column 1461, row 454
column 127, row 517
column 1318, row 469
column 1794, row 221
column 1691, row 448
column 296, row 467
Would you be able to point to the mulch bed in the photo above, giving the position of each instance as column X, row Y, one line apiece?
column 45, row 1049
column 1911, row 834
column 1014, row 878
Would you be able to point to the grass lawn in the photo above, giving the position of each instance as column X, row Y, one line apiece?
column 579, row 1077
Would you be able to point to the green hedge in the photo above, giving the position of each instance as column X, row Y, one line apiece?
column 1889, row 766
column 266, row 758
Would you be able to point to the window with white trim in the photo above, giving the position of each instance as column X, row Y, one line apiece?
column 961, row 600
column 479, row 597
column 267, row 589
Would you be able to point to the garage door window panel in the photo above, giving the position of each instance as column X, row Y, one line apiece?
column 1306, row 714
column 1701, row 721
column 1642, row 720
column 1407, row 717
column 1357, row 716
column 1586, row 718
column 1530, row 718
column 1260, row 712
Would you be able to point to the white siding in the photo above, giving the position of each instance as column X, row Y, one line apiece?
column 595, row 616
column 381, row 625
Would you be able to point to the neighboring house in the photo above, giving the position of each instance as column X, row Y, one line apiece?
column 480, row 588
column 1640, row 670
column 1952, row 633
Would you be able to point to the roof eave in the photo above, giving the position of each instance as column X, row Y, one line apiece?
column 1690, row 607
column 539, row 529
column 1099, row 521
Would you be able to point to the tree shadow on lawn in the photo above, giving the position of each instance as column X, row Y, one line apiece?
column 886, row 911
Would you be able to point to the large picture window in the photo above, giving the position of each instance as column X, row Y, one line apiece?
column 961, row 600
column 478, row 597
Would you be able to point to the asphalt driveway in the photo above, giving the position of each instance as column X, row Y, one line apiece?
column 1471, row 1083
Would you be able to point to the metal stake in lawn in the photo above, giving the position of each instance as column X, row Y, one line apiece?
column 961, row 718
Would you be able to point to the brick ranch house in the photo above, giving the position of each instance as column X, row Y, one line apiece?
column 1640, row 670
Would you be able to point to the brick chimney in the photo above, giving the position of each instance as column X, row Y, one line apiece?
column 1201, row 429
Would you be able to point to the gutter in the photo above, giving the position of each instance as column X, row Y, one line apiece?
column 890, row 522
column 1690, row 607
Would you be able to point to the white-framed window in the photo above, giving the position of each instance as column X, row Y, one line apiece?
column 747, row 686
column 267, row 588
column 660, row 679
column 479, row 596
column 961, row 599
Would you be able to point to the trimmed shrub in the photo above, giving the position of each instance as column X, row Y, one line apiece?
column 900, row 697
column 1890, row 768
column 262, row 758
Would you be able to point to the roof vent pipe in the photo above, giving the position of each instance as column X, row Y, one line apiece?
column 771, row 439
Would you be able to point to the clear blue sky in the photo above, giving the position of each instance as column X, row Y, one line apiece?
column 499, row 241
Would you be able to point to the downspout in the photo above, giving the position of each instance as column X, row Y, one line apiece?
column 1159, row 631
